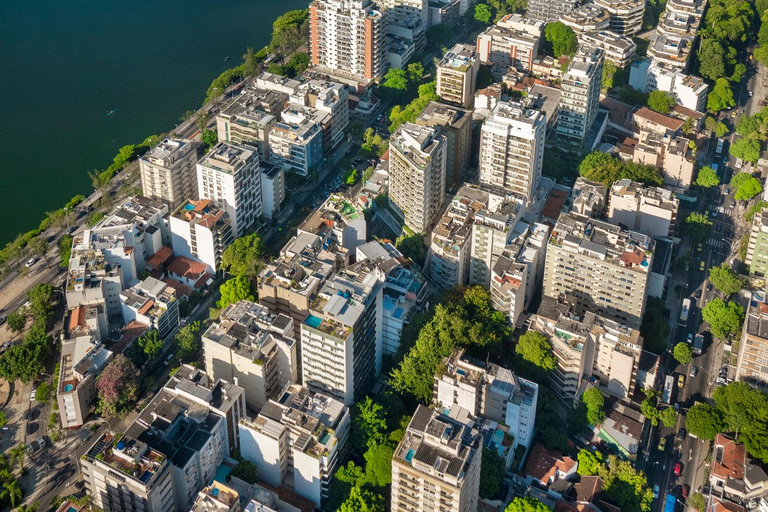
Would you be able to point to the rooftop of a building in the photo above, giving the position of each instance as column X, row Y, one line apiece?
column 454, row 228
column 459, row 58
column 301, row 268
column 187, row 268
column 586, row 14
column 313, row 417
column 584, row 63
column 652, row 116
column 252, row 106
column 214, row 497
column 621, row 5
column 251, row 330
column 269, row 170
column 514, row 112
column 299, row 130
column 193, row 383
column 729, row 458
column 502, row 381
column 229, row 157
column 544, row 465
column 149, row 297
column 437, row 113
column 415, row 143
column 438, row 444
column 322, row 92
column 203, row 213
column 273, row 81
column 137, row 210
column 335, row 213
column 610, row 39
column 80, row 358
column 693, row 6
column 168, row 152
column 672, row 47
column 134, row 459
column 662, row 197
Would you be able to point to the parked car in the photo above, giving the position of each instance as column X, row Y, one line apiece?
column 2, row 320
column 655, row 491
column 697, row 294
column 680, row 381
column 694, row 371
column 32, row 395
column 690, row 337
column 662, row 444
column 678, row 469
column 681, row 434
column 709, row 285
column 30, row 262
column 701, row 266
column 684, row 490
column 733, row 204
column 41, row 442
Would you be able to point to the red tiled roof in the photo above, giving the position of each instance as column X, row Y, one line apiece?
column 732, row 461
column 719, row 505
column 77, row 316
column 146, row 307
column 660, row 119
column 187, row 268
column 160, row 257
column 544, row 465
column 564, row 506
column 632, row 257
column 181, row 288
column 588, row 487
column 687, row 112
column 202, row 281
column 129, row 333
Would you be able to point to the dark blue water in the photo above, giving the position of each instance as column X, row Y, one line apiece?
column 66, row 63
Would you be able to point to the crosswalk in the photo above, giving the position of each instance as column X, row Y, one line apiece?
column 717, row 243
column 716, row 207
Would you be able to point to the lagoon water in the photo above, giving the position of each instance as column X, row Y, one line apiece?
column 67, row 63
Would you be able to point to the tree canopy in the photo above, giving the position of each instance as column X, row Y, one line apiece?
column 412, row 246
column 526, row 504
column 117, row 386
column 561, row 38
column 725, row 279
column 746, row 149
column 703, row 421
column 187, row 339
column 483, row 13
column 362, row 500
column 368, row 424
column 589, row 462
column 624, row 486
column 493, row 468
column 246, row 471
column 234, row 290
column 707, row 177
column 698, row 227
column 150, row 344
column 721, row 96
column 661, row 101
column 724, row 319
column 602, row 167
column 651, row 409
column 594, row 401
column 683, row 353
column 535, row 348
column 244, row 256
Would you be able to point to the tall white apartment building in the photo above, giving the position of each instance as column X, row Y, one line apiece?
column 93, row 278
column 649, row 210
column 455, row 124
column 327, row 97
column 168, row 172
column 417, row 168
column 491, row 392
column 437, row 464
column 513, row 41
column 600, row 267
column 580, row 96
column 457, row 75
column 347, row 37
column 341, row 344
column 229, row 176
column 405, row 9
column 296, row 143
column 492, row 231
column 272, row 189
column 201, row 231
column 587, row 18
column 152, row 303
column 626, row 15
column 297, row 441
column 517, row 272
column 618, row 49
column 254, row 347
column 512, row 148
column 550, row 10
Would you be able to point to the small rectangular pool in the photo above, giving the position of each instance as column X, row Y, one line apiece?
column 409, row 455
column 313, row 321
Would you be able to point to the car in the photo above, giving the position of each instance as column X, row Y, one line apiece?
column 701, row 266
column 684, row 490
column 697, row 294
column 721, row 209
column 662, row 444
column 41, row 442
column 733, row 204
column 168, row 359
column 30, row 262
column 689, row 339
column 32, row 395
column 698, row 248
column 680, row 380
column 709, row 287
column 678, row 469
column 739, row 161
column 681, row 434
column 655, row 491
column 694, row 371
column 727, row 191
column 714, row 213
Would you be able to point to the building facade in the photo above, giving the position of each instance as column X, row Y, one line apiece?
column 513, row 41
column 455, row 124
column 201, row 231
column 168, row 172
column 580, row 96
column 457, row 75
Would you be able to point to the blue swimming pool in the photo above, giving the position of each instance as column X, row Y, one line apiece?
column 313, row 321
column 67, row 389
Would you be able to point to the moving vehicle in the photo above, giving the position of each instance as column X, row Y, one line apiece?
column 719, row 149
column 739, row 162
column 684, row 490
column 662, row 444
column 655, row 491
column 681, row 434
column 701, row 266
column 689, row 339
column 669, row 505
column 709, row 285
column 30, row 262
column 669, row 386
column 684, row 312
column 680, row 381
column 697, row 294
column 168, row 359
column 698, row 344
column 678, row 469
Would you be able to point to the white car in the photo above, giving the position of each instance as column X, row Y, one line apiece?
column 656, row 491
column 30, row 262
column 32, row 395
column 41, row 442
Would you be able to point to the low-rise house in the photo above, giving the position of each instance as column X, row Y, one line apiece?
column 544, row 467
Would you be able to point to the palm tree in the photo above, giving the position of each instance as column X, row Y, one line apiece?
column 18, row 453
column 29, row 508
column 12, row 491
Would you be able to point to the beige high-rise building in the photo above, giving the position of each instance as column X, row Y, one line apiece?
column 346, row 37
column 649, row 210
column 626, row 15
column 513, row 41
column 601, row 267
column 168, row 172
column 512, row 148
column 580, row 96
column 417, row 158
column 457, row 75
column 455, row 124
column 436, row 467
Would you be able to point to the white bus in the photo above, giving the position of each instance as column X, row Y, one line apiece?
column 684, row 312
column 669, row 386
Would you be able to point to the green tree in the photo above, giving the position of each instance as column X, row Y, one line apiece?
column 594, row 401
column 721, row 96
column 746, row 149
column 535, row 348
column 704, row 421
column 725, row 279
column 22, row 362
column 368, row 424
column 209, row 138
column 713, row 59
column 17, row 320
column 561, row 38
column 609, row 71
column 698, row 227
column 345, row 478
column 724, row 319
column 697, row 501
column 151, row 344
column 43, row 393
column 117, row 386
column 649, row 407
column 378, row 465
column 683, row 353
column 12, row 491
column 740, row 405
column 661, row 101
column 361, row 500
column 589, row 462
column 65, row 250
column 17, row 453
column 668, row 417
column 749, row 189
column 625, row 487
column 415, row 71
column 188, row 341
column 234, row 290
column 493, row 468
column 243, row 257
column 412, row 246
column 527, row 504
column 483, row 13
column 707, row 178
column 246, row 471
